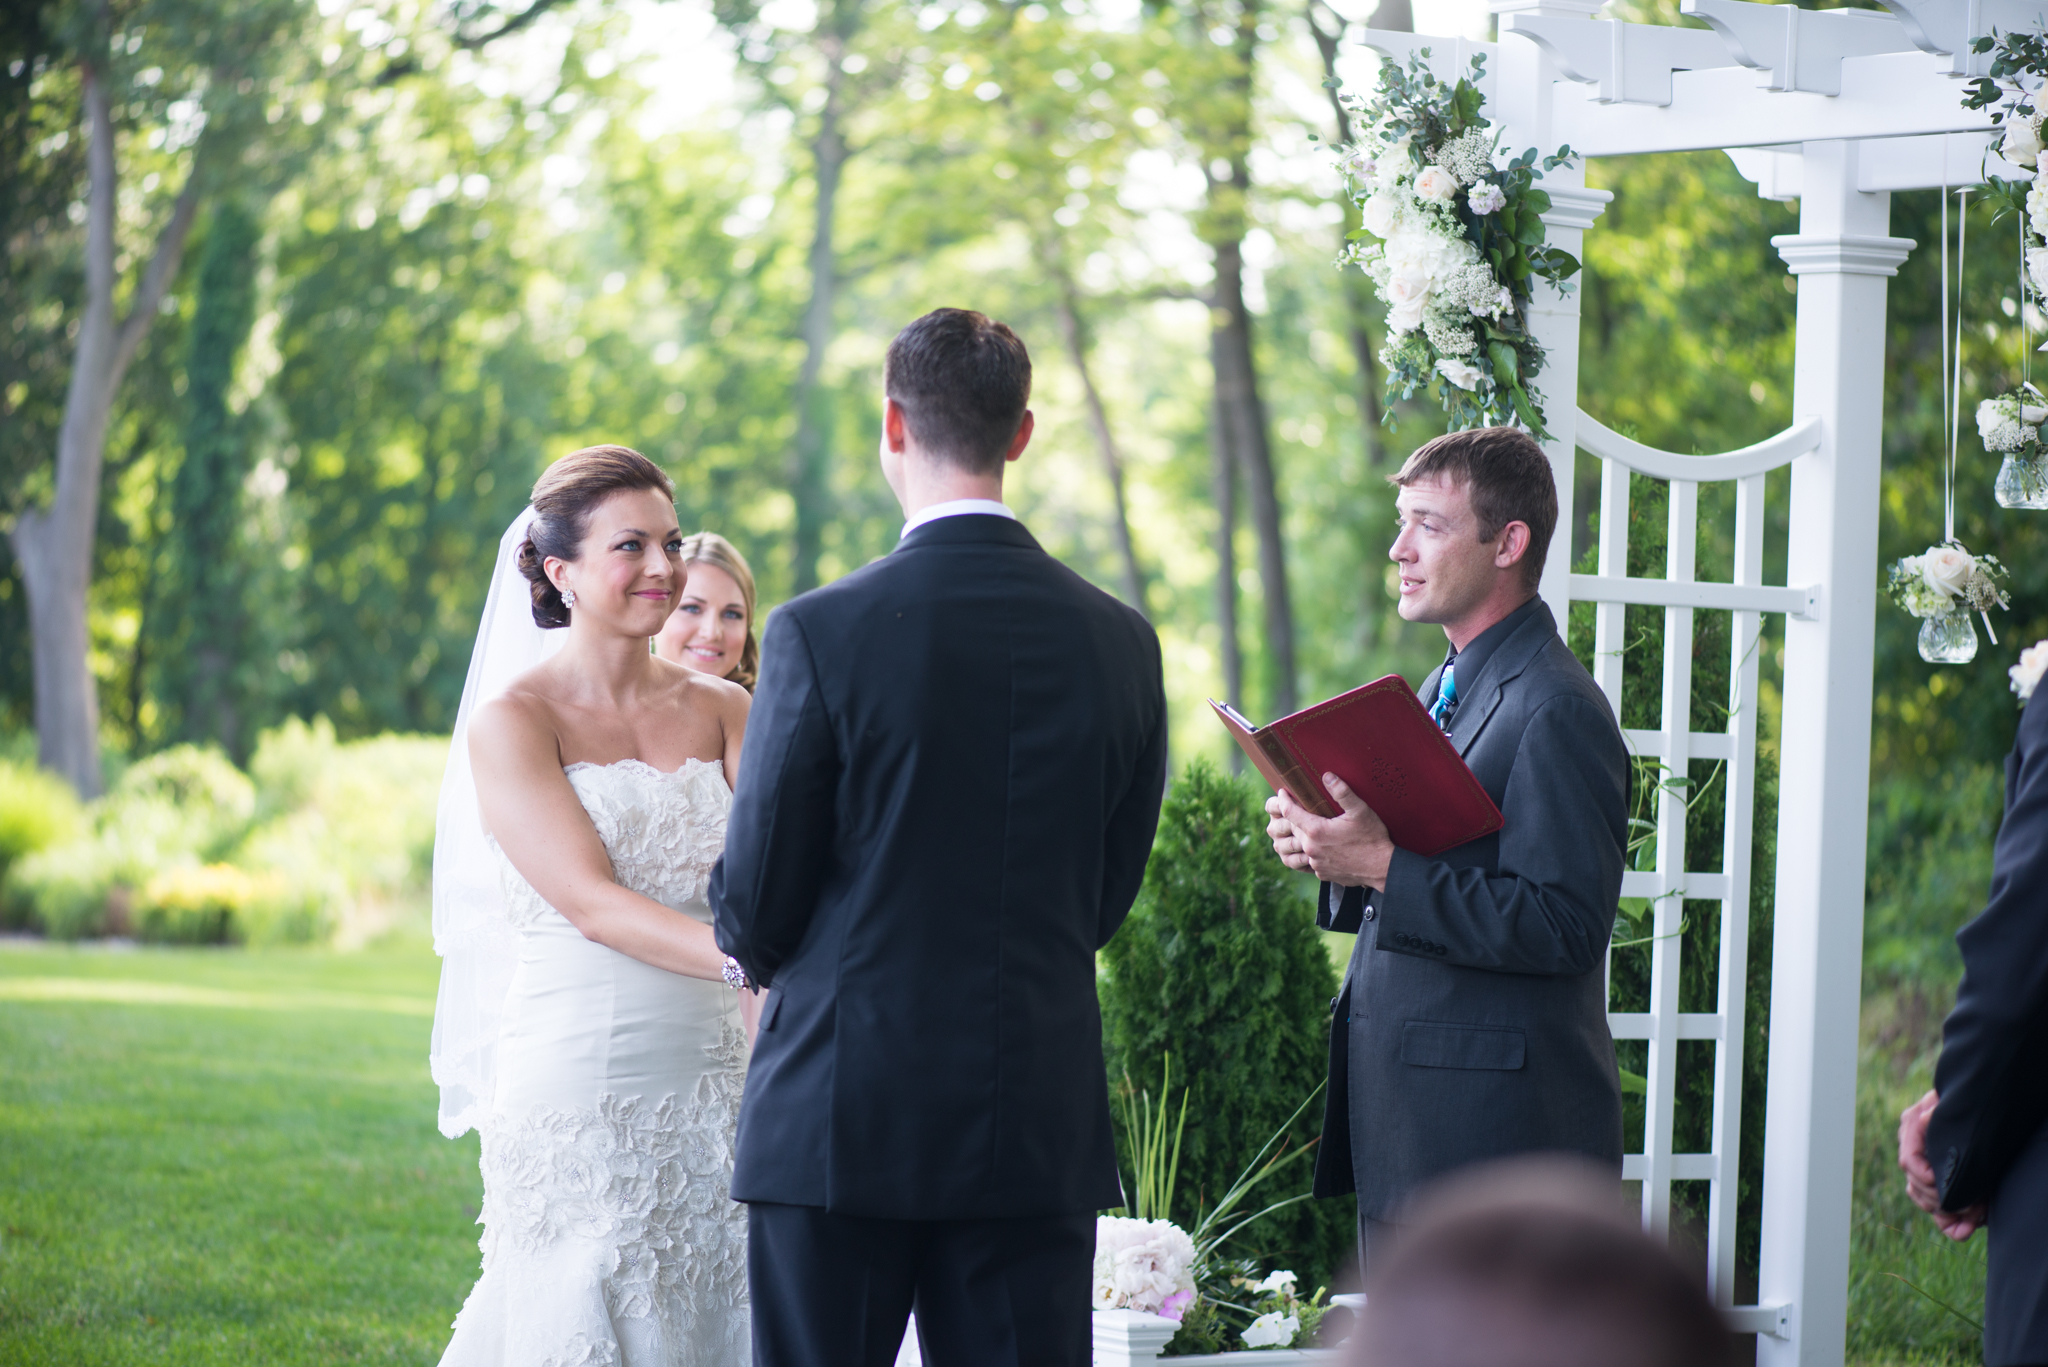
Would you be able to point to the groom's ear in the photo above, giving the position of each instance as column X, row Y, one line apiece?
column 1022, row 439
column 895, row 428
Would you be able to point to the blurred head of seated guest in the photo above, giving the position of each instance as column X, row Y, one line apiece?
column 712, row 628
column 1533, row 1262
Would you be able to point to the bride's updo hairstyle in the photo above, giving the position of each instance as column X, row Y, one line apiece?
column 563, row 498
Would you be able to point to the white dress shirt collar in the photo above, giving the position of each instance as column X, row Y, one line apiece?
column 958, row 507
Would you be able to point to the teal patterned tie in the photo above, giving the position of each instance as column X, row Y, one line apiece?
column 1446, row 696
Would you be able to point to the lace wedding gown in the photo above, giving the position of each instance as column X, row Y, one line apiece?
column 609, row 1235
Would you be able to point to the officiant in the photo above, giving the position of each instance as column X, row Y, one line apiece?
column 1472, row 1021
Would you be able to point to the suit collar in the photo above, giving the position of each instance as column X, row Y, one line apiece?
column 969, row 529
column 1502, row 668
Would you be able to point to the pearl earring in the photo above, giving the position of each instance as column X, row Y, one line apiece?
column 568, row 598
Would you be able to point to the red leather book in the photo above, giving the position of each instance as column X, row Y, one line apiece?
column 1378, row 739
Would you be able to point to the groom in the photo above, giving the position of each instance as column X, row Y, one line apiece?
column 951, row 778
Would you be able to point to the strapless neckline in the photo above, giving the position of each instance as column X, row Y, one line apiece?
column 631, row 762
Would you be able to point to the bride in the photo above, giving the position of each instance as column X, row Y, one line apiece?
column 587, row 1024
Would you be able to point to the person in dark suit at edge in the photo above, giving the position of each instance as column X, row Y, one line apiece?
column 1975, row 1148
column 1472, row 1021
column 954, row 767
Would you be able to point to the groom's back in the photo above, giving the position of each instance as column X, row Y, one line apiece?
column 949, row 791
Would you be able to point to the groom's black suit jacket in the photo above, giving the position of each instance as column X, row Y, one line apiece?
column 947, row 795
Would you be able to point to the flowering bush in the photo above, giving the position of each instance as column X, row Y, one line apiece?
column 1943, row 580
column 1144, row 1265
column 1453, row 243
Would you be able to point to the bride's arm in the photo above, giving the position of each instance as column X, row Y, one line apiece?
column 538, row 821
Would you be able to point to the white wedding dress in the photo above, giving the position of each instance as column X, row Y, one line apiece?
column 609, row 1233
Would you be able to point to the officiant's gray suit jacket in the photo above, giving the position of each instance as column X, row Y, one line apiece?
column 1472, row 1022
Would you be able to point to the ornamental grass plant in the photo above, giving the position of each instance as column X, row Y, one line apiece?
column 1221, row 966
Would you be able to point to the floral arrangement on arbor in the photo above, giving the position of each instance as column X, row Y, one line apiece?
column 1144, row 1265
column 1454, row 243
column 1946, row 580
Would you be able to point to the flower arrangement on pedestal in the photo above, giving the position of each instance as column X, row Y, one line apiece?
column 1942, row 586
column 1144, row 1265
column 1454, row 244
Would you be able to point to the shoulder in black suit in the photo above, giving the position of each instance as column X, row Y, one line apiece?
column 1988, row 1139
column 946, row 799
column 1473, row 1018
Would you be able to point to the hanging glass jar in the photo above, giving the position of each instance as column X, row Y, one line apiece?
column 2023, row 480
column 1949, row 639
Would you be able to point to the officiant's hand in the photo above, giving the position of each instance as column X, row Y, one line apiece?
column 1351, row 850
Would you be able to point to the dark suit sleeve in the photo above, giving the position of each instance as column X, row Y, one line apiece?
column 764, row 889
column 1990, row 1072
column 1127, row 840
column 1549, row 908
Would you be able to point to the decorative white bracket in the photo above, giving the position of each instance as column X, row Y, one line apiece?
column 1627, row 63
column 1799, row 49
column 1946, row 28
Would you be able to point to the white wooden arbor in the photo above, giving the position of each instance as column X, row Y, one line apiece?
column 1836, row 109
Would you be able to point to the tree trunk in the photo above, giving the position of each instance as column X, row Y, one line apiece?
column 811, row 462
column 54, row 545
column 1240, row 414
column 1357, row 315
column 1223, row 492
column 1076, row 337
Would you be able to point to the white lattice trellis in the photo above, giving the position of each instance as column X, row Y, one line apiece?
column 1670, row 749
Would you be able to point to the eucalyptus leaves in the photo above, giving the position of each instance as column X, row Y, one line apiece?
column 1454, row 243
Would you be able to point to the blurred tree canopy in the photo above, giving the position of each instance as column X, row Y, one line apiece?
column 456, row 242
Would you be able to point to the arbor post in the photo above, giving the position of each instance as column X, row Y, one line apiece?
column 1842, row 259
column 1524, row 87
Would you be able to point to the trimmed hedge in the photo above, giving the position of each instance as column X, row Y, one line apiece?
column 1221, row 965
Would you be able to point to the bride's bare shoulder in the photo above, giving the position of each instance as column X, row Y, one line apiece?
column 705, row 694
column 520, row 721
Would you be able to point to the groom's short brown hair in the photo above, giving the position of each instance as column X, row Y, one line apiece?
column 962, row 380
column 1509, row 479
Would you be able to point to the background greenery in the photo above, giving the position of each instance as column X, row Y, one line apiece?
column 438, row 259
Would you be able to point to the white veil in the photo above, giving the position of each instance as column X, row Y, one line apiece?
column 477, row 945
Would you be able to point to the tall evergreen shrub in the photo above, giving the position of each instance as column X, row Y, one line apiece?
column 1221, row 966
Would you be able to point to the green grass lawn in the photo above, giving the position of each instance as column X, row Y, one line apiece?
column 222, row 1156
column 225, row 1157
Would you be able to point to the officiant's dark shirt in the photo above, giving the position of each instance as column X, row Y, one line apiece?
column 1471, row 661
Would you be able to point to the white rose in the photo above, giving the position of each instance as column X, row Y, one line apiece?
column 2026, row 675
column 1435, row 183
column 2033, row 414
column 2037, row 209
column 1407, row 294
column 1487, row 198
column 1461, row 374
column 1274, row 1330
column 1947, row 568
column 2037, row 269
column 1105, row 1297
column 1380, row 214
column 2022, row 145
column 1990, row 416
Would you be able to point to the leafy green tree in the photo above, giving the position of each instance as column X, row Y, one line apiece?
column 199, row 614
column 1221, row 967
